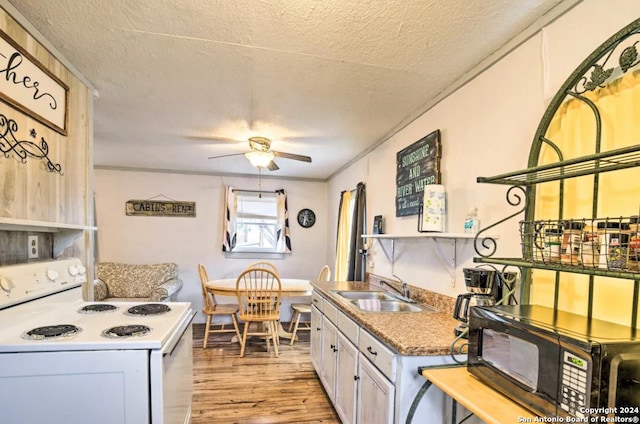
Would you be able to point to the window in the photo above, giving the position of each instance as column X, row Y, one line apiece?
column 256, row 222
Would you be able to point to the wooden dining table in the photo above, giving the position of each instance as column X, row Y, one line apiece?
column 290, row 287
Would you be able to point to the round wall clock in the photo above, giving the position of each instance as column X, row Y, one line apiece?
column 306, row 218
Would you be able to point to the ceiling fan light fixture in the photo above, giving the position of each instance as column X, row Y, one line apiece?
column 259, row 159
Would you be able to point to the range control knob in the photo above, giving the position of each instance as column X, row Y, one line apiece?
column 6, row 284
column 82, row 270
column 73, row 270
column 52, row 274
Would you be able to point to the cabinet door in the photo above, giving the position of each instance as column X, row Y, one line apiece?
column 329, row 355
column 376, row 395
column 346, row 380
column 316, row 338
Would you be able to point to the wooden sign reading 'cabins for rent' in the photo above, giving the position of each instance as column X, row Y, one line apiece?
column 161, row 208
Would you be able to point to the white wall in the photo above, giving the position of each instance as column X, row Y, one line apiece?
column 487, row 128
column 189, row 241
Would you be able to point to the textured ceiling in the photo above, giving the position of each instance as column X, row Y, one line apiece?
column 323, row 78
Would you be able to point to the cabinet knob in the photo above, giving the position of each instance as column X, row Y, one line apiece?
column 356, row 378
column 371, row 351
column 333, row 347
column 318, row 329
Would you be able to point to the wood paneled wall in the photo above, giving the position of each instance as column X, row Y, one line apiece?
column 28, row 190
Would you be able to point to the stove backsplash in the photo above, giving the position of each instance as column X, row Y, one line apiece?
column 14, row 247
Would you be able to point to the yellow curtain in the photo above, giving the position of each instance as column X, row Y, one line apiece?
column 343, row 240
column 573, row 130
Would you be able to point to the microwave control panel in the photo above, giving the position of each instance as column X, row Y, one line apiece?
column 573, row 385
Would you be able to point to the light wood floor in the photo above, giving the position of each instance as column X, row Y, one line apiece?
column 258, row 388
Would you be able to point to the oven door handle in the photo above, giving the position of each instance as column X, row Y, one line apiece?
column 174, row 340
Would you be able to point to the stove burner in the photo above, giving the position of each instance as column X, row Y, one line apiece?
column 126, row 331
column 149, row 309
column 98, row 308
column 51, row 331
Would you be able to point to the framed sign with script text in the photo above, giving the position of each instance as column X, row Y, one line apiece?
column 416, row 166
column 30, row 88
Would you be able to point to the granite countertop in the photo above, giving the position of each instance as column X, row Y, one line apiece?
column 409, row 333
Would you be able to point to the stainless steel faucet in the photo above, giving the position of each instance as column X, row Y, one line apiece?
column 405, row 288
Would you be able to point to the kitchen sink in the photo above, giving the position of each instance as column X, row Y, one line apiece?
column 387, row 306
column 374, row 295
column 378, row 301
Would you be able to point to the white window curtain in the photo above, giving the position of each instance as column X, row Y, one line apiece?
column 284, row 234
column 343, row 236
column 229, row 236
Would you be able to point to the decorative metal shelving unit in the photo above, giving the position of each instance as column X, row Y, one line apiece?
column 608, row 63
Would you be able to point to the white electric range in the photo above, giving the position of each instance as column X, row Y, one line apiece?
column 64, row 360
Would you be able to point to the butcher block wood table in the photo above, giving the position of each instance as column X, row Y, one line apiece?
column 485, row 403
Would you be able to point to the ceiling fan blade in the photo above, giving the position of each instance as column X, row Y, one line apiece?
column 226, row 156
column 292, row 156
column 272, row 166
column 222, row 140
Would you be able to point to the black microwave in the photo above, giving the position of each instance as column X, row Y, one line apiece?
column 555, row 363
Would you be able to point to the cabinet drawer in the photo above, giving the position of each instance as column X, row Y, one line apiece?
column 348, row 327
column 380, row 355
column 330, row 311
column 317, row 300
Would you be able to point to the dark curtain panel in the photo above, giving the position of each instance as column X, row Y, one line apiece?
column 339, row 210
column 357, row 264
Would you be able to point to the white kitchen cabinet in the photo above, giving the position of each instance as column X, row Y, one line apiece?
column 347, row 377
column 378, row 354
column 327, row 371
column 340, row 359
column 366, row 380
column 376, row 395
column 316, row 337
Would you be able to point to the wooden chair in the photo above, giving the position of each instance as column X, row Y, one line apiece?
column 211, row 308
column 259, row 292
column 265, row 265
column 305, row 308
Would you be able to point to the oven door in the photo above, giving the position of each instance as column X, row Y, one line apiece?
column 171, row 373
column 74, row 387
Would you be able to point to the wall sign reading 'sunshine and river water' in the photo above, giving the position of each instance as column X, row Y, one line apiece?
column 416, row 166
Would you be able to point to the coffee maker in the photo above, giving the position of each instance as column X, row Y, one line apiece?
column 486, row 287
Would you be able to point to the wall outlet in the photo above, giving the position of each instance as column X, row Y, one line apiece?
column 32, row 247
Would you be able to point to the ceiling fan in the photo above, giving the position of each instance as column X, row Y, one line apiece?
column 261, row 155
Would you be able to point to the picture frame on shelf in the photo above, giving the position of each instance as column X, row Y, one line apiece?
column 378, row 224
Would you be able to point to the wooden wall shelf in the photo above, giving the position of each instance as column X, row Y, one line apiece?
column 448, row 261
column 64, row 234
column 12, row 224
